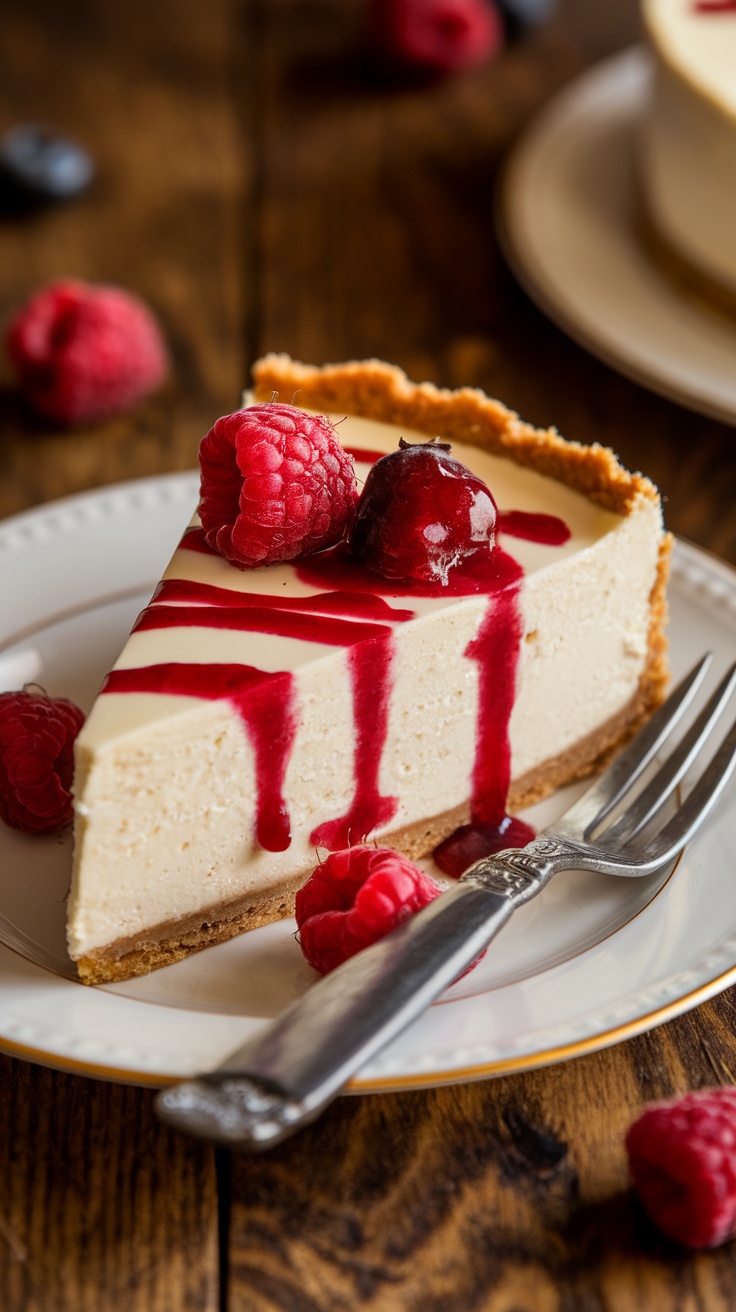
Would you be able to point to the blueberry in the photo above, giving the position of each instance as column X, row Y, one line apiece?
column 525, row 13
column 38, row 164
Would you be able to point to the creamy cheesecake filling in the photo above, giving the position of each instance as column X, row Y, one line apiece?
column 174, row 788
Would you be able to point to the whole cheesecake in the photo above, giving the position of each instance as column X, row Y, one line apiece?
column 688, row 146
column 256, row 717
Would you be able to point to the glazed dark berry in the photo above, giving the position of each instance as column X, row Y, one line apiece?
column 422, row 514
column 41, row 164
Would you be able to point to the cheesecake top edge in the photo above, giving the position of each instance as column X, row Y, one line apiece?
column 373, row 389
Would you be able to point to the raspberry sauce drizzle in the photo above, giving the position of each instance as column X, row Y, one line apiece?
column 265, row 704
column 370, row 656
column 194, row 540
column 344, row 613
column 337, row 569
column 370, row 665
column 495, row 650
column 254, row 619
column 547, row 530
column 351, row 605
column 370, row 660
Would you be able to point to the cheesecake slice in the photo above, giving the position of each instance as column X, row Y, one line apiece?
column 256, row 717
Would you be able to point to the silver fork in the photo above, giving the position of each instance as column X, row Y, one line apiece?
column 290, row 1071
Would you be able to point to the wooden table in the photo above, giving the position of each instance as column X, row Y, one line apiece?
column 262, row 191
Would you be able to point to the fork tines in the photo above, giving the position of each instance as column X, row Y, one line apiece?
column 625, row 835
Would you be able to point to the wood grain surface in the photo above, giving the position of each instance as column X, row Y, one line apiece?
column 507, row 1196
column 100, row 1209
column 264, row 189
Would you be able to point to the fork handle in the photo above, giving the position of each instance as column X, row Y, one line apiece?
column 286, row 1075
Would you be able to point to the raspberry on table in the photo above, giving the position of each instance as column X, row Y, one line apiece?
column 682, row 1157
column 354, row 899
column 84, row 351
column 439, row 36
column 37, row 736
column 276, row 484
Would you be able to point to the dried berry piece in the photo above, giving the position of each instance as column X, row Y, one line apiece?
column 276, row 485
column 37, row 736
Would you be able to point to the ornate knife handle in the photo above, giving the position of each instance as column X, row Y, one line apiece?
column 287, row 1074
column 521, row 873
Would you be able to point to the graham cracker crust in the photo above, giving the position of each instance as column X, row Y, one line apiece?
column 172, row 940
column 375, row 390
column 380, row 391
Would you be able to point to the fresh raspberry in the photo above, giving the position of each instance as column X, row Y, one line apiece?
column 439, row 36
column 354, row 898
column 682, row 1156
column 422, row 513
column 37, row 760
column 276, row 484
column 82, row 352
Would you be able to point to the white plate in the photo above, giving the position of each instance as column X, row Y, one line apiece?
column 567, row 212
column 589, row 962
